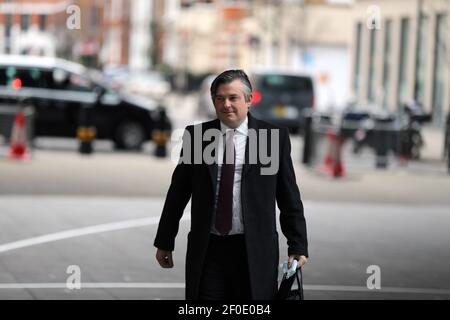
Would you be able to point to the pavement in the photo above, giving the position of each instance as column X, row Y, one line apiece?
column 57, row 169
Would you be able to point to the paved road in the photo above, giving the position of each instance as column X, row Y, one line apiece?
column 110, row 239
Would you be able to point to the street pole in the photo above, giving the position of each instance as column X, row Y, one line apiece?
column 418, row 40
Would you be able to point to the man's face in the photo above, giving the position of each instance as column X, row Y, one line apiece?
column 229, row 102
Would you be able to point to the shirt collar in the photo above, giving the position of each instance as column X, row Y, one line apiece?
column 242, row 129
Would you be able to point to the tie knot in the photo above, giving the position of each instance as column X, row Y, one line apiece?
column 229, row 132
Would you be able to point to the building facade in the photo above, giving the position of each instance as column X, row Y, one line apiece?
column 400, row 54
column 311, row 37
column 95, row 32
column 32, row 27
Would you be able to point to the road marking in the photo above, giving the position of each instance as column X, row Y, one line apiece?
column 126, row 224
column 382, row 290
column 93, row 285
column 180, row 285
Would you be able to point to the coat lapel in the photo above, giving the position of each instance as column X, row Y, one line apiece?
column 252, row 124
column 212, row 168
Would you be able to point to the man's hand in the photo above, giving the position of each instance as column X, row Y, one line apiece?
column 301, row 260
column 164, row 258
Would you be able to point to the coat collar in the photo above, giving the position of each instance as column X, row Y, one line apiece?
column 242, row 129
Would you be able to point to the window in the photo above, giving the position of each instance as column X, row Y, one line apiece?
column 402, row 95
column 94, row 18
column 3, row 77
column 8, row 25
column 30, row 77
column 275, row 52
column 186, row 3
column 421, row 59
column 79, row 83
column 439, row 66
column 25, row 22
column 357, row 74
column 371, row 82
column 63, row 80
column 387, row 62
column 42, row 22
column 285, row 83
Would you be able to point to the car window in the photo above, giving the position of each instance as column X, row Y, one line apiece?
column 79, row 83
column 64, row 80
column 29, row 77
column 3, row 77
column 285, row 83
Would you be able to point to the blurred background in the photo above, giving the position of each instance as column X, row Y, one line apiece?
column 94, row 96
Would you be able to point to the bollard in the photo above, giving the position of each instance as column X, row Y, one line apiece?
column 448, row 154
column 85, row 132
column 308, row 143
column 161, row 133
column 381, row 150
column 447, row 142
column 160, row 139
column 382, row 141
column 86, row 135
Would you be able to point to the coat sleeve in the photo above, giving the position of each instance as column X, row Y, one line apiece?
column 292, row 219
column 177, row 198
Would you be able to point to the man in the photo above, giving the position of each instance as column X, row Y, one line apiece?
column 232, row 250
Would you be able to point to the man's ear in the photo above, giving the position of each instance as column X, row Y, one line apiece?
column 249, row 102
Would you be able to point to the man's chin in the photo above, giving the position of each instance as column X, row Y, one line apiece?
column 228, row 119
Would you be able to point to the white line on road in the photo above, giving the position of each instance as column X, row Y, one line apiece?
column 180, row 285
column 82, row 232
column 382, row 290
column 92, row 285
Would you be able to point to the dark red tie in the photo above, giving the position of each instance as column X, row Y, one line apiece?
column 224, row 211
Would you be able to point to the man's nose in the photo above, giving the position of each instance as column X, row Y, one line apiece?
column 227, row 103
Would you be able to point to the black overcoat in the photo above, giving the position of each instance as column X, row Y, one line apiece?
column 259, row 195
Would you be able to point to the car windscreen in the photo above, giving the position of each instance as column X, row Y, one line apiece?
column 284, row 83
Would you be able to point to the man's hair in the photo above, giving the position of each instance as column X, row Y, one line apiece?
column 229, row 76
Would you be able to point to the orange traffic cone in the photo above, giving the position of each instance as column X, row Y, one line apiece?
column 18, row 149
column 327, row 166
column 332, row 164
column 338, row 167
column 329, row 158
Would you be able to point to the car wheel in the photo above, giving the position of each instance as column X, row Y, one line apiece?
column 129, row 135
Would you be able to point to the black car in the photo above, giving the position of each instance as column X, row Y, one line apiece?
column 282, row 98
column 59, row 90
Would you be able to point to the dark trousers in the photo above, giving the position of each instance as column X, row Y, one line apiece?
column 225, row 273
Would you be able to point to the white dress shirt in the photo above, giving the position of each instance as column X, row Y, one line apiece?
column 240, row 141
